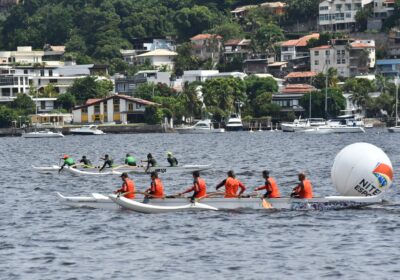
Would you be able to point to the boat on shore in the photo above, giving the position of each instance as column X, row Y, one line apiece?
column 43, row 134
column 86, row 130
column 201, row 127
column 142, row 205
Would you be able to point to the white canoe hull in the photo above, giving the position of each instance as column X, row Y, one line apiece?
column 168, row 169
column 153, row 208
column 77, row 171
column 323, row 203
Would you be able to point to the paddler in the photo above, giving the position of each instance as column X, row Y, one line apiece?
column 128, row 187
column 156, row 189
column 85, row 162
column 67, row 161
column 130, row 160
column 271, row 187
column 107, row 162
column 303, row 189
column 150, row 161
column 173, row 162
column 232, row 186
column 199, row 188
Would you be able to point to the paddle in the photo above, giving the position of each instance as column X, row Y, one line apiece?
column 265, row 204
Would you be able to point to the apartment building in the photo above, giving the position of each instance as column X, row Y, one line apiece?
column 349, row 56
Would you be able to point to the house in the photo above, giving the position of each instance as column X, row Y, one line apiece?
column 277, row 69
column 393, row 44
column 143, row 45
column 12, row 82
column 52, row 119
column 297, row 48
column 275, row 8
column 237, row 47
column 127, row 85
column 158, row 58
column 203, row 75
column 53, row 55
column 115, row 108
column 45, row 104
column 300, row 77
column 289, row 97
column 340, row 15
column 382, row 9
column 388, row 67
column 207, row 46
column 350, row 57
column 23, row 55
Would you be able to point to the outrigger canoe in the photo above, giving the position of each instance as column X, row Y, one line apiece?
column 321, row 203
column 119, row 170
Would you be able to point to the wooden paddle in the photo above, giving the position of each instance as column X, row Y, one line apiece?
column 265, row 204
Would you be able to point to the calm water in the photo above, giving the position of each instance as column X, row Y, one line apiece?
column 42, row 239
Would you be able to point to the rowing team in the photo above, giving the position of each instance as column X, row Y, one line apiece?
column 130, row 161
column 231, row 184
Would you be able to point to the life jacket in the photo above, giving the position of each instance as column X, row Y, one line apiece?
column 129, row 186
column 306, row 192
column 231, row 187
column 69, row 161
column 273, row 188
column 157, row 189
column 202, row 188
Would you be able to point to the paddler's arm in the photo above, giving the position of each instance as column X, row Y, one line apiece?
column 242, row 188
column 104, row 165
column 220, row 184
column 62, row 167
column 187, row 191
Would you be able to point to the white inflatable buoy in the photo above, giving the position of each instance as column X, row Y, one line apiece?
column 361, row 169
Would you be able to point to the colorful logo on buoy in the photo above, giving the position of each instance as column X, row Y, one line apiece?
column 384, row 174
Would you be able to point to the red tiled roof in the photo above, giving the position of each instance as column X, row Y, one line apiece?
column 233, row 42
column 321, row 48
column 301, row 42
column 91, row 100
column 361, row 45
column 298, row 88
column 305, row 74
column 205, row 37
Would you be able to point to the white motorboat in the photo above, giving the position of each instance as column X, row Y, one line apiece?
column 203, row 126
column 43, row 134
column 255, row 203
column 234, row 123
column 302, row 124
column 394, row 129
column 87, row 130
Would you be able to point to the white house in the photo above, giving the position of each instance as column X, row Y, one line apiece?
column 158, row 58
column 203, row 75
column 297, row 48
column 115, row 108
column 23, row 55
column 12, row 82
column 350, row 57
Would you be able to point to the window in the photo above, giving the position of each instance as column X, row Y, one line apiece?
column 323, row 8
column 338, row 52
column 42, row 72
column 51, row 73
column 116, row 108
column 130, row 107
column 6, row 92
column 343, row 52
column 338, row 7
column 316, row 53
column 25, row 71
column 343, row 61
column 97, row 108
column 138, row 106
column 42, row 105
column 348, row 7
column 316, row 62
column 53, row 81
column 84, row 110
column 327, row 52
column 338, row 61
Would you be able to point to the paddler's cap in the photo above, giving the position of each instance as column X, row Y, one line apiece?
column 83, row 156
column 124, row 175
column 265, row 172
column 149, row 155
column 65, row 156
column 127, row 155
column 106, row 156
column 169, row 153
column 231, row 173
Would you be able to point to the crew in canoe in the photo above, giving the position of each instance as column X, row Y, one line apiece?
column 173, row 162
column 67, row 161
column 232, row 186
column 86, row 163
column 130, row 160
column 303, row 189
column 156, row 189
column 108, row 162
column 271, row 187
column 199, row 188
column 150, row 161
column 128, row 187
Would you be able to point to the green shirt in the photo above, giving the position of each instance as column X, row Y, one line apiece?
column 130, row 160
column 69, row 161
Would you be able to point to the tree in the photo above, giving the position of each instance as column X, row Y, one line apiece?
column 24, row 104
column 256, row 86
column 228, row 30
column 185, row 60
column 7, row 116
column 153, row 115
column 90, row 87
column 190, row 101
column 66, row 101
column 263, row 105
column 360, row 89
column 336, row 102
column 49, row 91
column 265, row 37
column 223, row 93
column 361, row 18
column 329, row 79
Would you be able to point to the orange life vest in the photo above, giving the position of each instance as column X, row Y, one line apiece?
column 231, row 187
column 129, row 186
column 273, row 188
column 202, row 188
column 157, row 189
column 306, row 191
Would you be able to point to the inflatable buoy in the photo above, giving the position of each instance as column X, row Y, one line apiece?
column 361, row 169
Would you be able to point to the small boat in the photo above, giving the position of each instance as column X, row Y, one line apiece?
column 255, row 203
column 302, row 124
column 203, row 126
column 234, row 123
column 43, row 134
column 394, row 129
column 153, row 209
column 87, row 130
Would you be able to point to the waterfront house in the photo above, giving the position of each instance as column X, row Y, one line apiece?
column 289, row 97
column 115, row 108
